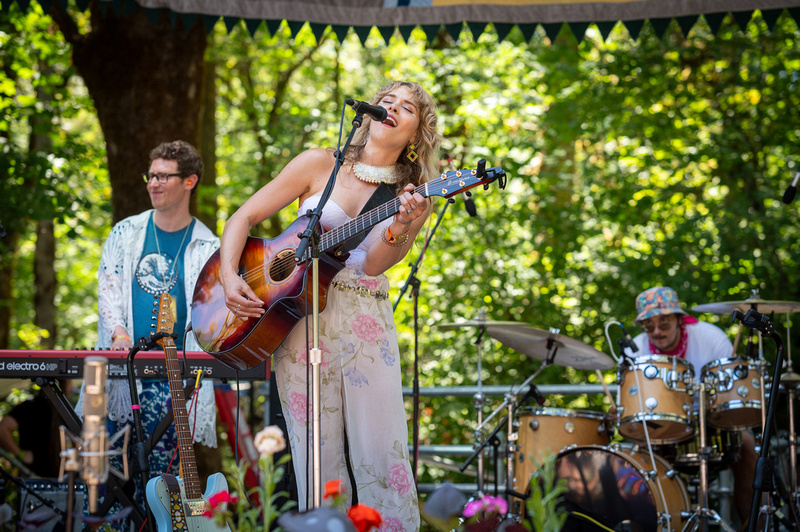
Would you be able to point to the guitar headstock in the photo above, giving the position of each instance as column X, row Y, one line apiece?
column 165, row 321
column 456, row 181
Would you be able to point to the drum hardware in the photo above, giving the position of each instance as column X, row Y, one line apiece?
column 763, row 481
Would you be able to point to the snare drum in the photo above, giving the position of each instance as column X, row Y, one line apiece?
column 663, row 403
column 544, row 431
column 735, row 399
column 619, row 488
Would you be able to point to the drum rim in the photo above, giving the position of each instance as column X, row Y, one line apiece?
column 726, row 361
column 660, row 358
column 562, row 412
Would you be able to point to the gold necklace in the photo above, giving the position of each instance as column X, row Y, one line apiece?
column 375, row 174
column 177, row 255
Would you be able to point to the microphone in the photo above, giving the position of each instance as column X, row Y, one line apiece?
column 376, row 112
column 627, row 340
column 791, row 190
column 94, row 456
column 469, row 203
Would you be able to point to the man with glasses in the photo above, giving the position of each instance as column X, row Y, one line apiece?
column 669, row 330
column 159, row 250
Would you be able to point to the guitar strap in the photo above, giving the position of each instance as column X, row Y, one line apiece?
column 175, row 503
column 382, row 194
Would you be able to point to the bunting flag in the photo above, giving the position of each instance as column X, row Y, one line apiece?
column 454, row 16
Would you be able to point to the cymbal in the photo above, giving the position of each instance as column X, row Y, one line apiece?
column 539, row 344
column 761, row 305
column 478, row 323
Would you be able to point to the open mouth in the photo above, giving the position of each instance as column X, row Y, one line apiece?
column 391, row 122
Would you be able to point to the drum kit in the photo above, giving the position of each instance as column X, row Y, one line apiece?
column 671, row 423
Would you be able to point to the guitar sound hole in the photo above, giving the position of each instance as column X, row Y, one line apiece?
column 282, row 266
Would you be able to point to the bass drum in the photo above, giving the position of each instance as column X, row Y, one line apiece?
column 613, row 486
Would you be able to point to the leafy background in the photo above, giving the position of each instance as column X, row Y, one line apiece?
column 631, row 163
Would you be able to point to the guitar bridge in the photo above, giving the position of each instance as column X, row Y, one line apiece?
column 195, row 507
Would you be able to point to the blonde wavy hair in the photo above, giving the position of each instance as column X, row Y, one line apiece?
column 426, row 140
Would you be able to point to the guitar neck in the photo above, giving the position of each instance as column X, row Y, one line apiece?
column 190, row 476
column 361, row 223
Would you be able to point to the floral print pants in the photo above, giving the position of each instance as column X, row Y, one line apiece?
column 360, row 394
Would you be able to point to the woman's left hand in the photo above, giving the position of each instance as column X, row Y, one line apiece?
column 412, row 205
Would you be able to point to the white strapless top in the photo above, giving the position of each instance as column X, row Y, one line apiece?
column 333, row 216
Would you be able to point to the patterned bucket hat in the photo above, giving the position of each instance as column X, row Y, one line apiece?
column 656, row 302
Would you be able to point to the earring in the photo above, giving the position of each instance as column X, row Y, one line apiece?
column 412, row 155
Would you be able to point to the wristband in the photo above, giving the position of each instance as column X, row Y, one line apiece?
column 394, row 241
column 120, row 337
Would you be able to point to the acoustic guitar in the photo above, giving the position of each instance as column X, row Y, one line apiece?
column 270, row 268
column 168, row 510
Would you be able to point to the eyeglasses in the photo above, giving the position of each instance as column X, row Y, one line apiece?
column 162, row 178
column 663, row 323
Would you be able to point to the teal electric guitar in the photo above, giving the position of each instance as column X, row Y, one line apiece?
column 180, row 506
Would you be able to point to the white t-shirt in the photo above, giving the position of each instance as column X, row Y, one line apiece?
column 707, row 343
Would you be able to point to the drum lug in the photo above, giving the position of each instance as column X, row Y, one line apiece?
column 534, row 424
column 651, row 403
column 672, row 473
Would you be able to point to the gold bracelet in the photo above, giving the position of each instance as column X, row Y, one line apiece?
column 394, row 241
column 120, row 337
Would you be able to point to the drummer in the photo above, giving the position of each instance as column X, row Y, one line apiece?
column 669, row 330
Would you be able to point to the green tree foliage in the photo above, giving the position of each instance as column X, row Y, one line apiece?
column 630, row 163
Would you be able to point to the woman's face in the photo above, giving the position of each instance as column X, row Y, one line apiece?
column 400, row 127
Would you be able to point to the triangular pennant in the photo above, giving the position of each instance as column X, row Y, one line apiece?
column 552, row 29
column 209, row 21
column 318, row 30
column 363, row 33
column 634, row 27
column 605, row 28
column 386, row 33
column 771, row 16
column 660, row 26
column 295, row 26
column 431, row 31
column 153, row 15
column 46, row 5
column 528, row 30
column 188, row 20
column 714, row 21
column 578, row 29
column 454, row 30
column 687, row 23
column 742, row 18
column 794, row 12
column 130, row 7
column 477, row 29
column 502, row 29
column 340, row 31
column 23, row 5
column 405, row 32
column 273, row 26
column 230, row 23
column 117, row 6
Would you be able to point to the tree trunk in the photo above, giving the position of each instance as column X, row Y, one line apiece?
column 147, row 86
column 207, row 200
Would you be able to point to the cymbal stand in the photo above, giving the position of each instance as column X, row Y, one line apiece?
column 703, row 515
column 478, row 400
column 791, row 381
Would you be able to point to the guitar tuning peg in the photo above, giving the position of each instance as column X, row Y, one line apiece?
column 451, row 200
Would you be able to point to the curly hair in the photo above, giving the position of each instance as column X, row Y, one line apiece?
column 189, row 160
column 426, row 140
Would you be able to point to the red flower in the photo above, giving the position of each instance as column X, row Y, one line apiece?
column 333, row 488
column 364, row 518
column 221, row 497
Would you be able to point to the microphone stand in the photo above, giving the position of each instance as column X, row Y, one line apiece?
column 765, row 469
column 414, row 282
column 310, row 237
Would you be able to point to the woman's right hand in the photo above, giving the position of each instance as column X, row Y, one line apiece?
column 240, row 298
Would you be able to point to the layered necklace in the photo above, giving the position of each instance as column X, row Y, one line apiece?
column 375, row 174
column 171, row 270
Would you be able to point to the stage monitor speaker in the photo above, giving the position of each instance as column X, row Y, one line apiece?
column 55, row 492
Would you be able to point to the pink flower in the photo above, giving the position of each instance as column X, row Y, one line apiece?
column 372, row 284
column 486, row 505
column 398, row 478
column 366, row 328
column 392, row 524
column 297, row 407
